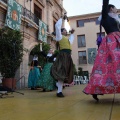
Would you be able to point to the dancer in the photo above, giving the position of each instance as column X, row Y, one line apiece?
column 105, row 74
column 34, row 74
column 62, row 69
column 46, row 81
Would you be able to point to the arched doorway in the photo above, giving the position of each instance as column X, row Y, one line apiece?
column 36, row 51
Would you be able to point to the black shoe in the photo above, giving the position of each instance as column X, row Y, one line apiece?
column 60, row 94
column 44, row 90
column 32, row 88
column 95, row 97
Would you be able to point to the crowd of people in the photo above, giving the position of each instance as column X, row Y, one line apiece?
column 105, row 74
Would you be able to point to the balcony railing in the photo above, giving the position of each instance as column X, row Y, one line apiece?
column 30, row 15
column 5, row 1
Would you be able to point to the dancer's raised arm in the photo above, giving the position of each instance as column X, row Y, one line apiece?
column 105, row 9
column 58, row 27
column 71, row 37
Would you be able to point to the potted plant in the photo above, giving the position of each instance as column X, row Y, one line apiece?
column 11, row 53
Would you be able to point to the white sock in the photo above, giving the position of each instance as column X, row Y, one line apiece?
column 60, row 86
column 57, row 84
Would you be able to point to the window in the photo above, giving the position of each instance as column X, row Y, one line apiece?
column 82, row 57
column 81, row 41
column 102, row 34
column 38, row 11
column 54, row 25
column 92, row 19
column 80, row 23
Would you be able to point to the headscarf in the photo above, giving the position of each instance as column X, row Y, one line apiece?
column 35, row 57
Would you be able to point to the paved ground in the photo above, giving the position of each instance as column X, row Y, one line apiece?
column 37, row 105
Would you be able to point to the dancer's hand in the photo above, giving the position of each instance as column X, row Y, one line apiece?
column 72, row 31
column 64, row 17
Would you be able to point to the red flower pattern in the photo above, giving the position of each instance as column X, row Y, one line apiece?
column 105, row 76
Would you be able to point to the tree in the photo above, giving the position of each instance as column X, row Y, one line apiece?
column 36, row 51
column 11, row 51
column 80, row 71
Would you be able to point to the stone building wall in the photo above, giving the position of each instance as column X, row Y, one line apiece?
column 51, row 11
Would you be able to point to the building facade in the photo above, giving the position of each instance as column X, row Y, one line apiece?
column 48, row 11
column 84, row 48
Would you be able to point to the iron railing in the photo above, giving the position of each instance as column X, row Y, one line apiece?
column 30, row 15
column 5, row 1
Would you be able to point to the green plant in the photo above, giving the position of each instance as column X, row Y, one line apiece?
column 74, row 69
column 11, row 51
column 80, row 71
column 86, row 73
column 36, row 51
column 56, row 51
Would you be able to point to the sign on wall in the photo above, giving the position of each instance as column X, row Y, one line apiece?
column 42, row 31
column 91, row 55
column 13, row 17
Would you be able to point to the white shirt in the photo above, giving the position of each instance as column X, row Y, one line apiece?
column 54, row 59
column 58, row 27
column 49, row 54
column 35, row 58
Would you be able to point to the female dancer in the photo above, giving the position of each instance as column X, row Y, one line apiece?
column 34, row 74
column 46, row 81
column 105, row 77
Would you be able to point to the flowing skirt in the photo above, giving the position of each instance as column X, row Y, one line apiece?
column 46, row 81
column 105, row 76
column 62, row 69
column 33, row 77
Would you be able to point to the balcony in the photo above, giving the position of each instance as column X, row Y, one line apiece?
column 30, row 15
column 5, row 1
column 26, row 13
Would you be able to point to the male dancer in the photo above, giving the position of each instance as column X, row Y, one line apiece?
column 62, row 69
